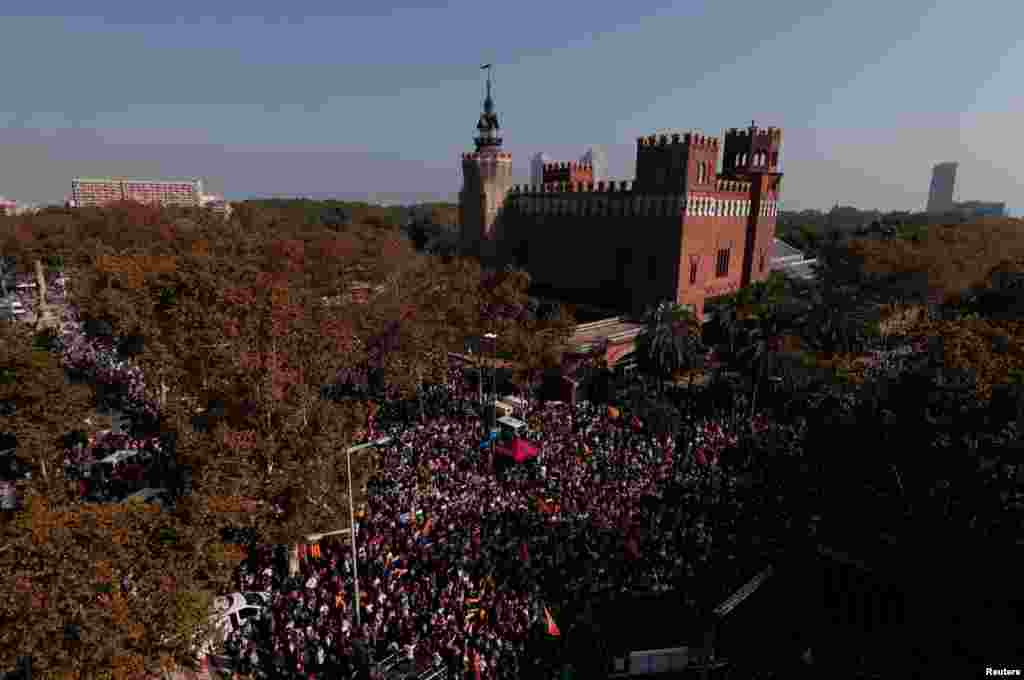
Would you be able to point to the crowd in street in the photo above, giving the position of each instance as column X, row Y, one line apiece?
column 457, row 563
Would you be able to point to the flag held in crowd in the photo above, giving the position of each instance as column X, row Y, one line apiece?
column 552, row 629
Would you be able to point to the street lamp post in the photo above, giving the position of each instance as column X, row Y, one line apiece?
column 352, row 517
column 494, row 388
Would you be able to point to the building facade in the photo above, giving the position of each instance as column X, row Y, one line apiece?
column 216, row 204
column 680, row 231
column 7, row 206
column 93, row 192
column 940, row 193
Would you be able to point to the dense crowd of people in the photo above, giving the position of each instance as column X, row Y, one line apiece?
column 460, row 556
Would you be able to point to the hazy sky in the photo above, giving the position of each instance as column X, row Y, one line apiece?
column 384, row 98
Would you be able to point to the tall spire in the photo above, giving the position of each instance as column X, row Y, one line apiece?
column 488, row 102
column 488, row 125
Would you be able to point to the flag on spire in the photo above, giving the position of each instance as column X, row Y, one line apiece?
column 485, row 66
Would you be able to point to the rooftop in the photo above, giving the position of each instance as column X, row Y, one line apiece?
column 135, row 179
column 615, row 329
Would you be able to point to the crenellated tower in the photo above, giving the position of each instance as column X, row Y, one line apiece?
column 676, row 164
column 573, row 172
column 486, row 181
column 753, row 155
column 752, row 150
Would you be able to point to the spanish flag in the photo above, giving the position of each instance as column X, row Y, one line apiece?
column 314, row 550
column 552, row 628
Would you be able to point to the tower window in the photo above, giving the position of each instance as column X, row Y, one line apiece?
column 722, row 264
column 761, row 263
column 694, row 262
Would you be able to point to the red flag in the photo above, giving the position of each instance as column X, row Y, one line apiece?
column 476, row 665
column 552, row 628
column 524, row 552
column 635, row 422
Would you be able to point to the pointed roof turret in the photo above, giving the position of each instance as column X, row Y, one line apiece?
column 488, row 126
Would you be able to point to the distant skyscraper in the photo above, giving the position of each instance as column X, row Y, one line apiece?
column 598, row 160
column 88, row 192
column 537, row 168
column 940, row 194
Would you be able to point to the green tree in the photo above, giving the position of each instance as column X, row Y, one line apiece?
column 669, row 343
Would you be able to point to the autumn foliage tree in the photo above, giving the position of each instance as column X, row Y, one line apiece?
column 237, row 321
column 62, row 562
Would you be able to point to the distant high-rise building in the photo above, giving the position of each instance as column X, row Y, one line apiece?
column 90, row 192
column 537, row 168
column 940, row 194
column 597, row 159
column 7, row 206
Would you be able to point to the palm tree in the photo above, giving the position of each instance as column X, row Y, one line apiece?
column 671, row 342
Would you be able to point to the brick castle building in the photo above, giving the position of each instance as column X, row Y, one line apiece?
column 681, row 231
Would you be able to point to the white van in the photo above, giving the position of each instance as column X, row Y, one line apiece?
column 511, row 427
